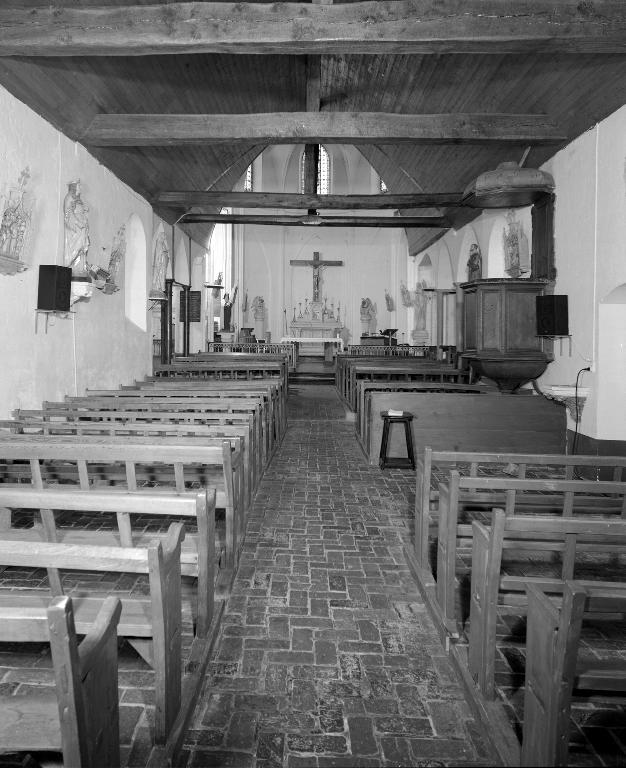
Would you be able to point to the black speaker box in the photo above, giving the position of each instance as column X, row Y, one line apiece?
column 552, row 318
column 55, row 285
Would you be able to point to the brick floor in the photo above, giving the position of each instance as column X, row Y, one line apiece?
column 326, row 655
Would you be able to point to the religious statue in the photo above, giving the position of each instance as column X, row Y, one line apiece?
column 389, row 301
column 118, row 253
column 516, row 251
column 159, row 266
column 474, row 263
column 258, row 310
column 228, row 308
column 418, row 300
column 105, row 280
column 368, row 316
column 216, row 291
column 15, row 220
column 76, row 229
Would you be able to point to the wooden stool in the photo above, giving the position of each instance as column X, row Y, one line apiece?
column 386, row 461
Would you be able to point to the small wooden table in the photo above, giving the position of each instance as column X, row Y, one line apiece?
column 389, row 418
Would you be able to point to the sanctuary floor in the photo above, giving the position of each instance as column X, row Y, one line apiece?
column 327, row 656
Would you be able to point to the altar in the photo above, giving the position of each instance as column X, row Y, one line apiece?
column 328, row 345
column 318, row 321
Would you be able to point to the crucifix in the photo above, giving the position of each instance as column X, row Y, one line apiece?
column 317, row 265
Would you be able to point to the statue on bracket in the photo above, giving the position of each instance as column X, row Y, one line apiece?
column 368, row 317
column 14, row 227
column 474, row 263
column 159, row 267
column 105, row 280
column 76, row 229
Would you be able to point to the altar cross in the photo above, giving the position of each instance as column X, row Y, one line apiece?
column 317, row 265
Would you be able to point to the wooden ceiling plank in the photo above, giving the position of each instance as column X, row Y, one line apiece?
column 394, row 26
column 196, row 199
column 318, row 221
column 326, row 127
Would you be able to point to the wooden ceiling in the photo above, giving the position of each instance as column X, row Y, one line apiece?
column 433, row 92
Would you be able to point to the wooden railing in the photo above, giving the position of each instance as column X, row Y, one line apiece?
column 366, row 350
column 255, row 348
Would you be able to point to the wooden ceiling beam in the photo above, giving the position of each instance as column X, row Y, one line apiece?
column 321, row 127
column 373, row 27
column 388, row 201
column 307, row 220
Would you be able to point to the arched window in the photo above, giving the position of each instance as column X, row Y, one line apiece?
column 248, row 183
column 323, row 172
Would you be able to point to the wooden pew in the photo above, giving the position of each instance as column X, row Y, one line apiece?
column 431, row 463
column 198, row 556
column 406, row 369
column 462, row 498
column 554, row 670
column 367, row 388
column 252, row 467
column 80, row 715
column 553, row 497
column 270, row 387
column 207, row 419
column 128, row 462
column 175, row 407
column 151, row 625
column 495, row 593
column 271, row 406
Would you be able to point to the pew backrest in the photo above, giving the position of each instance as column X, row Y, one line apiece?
column 161, row 625
column 494, row 593
column 199, row 505
column 553, row 669
column 518, row 464
column 555, row 497
column 86, row 720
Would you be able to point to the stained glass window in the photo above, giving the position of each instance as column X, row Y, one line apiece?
column 323, row 172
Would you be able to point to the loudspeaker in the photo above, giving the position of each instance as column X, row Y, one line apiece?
column 552, row 319
column 55, row 285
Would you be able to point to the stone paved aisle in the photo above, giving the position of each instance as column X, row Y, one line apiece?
column 327, row 656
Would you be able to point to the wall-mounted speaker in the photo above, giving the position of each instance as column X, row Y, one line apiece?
column 55, row 286
column 552, row 316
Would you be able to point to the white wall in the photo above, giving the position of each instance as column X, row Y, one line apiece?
column 374, row 259
column 98, row 345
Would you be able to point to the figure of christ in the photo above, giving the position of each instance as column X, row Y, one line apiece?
column 317, row 265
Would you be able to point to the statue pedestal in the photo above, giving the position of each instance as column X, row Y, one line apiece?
column 259, row 327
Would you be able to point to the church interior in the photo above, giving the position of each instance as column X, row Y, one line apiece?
column 313, row 420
